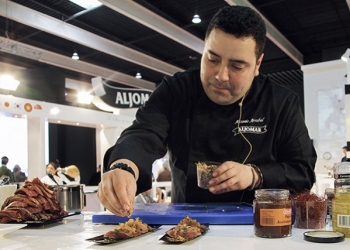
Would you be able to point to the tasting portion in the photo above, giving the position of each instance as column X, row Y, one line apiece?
column 130, row 229
column 187, row 229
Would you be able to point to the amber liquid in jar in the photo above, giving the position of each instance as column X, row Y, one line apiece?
column 272, row 213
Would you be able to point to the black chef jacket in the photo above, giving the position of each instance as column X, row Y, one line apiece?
column 180, row 118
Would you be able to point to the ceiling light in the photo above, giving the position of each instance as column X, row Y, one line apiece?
column 87, row 4
column 196, row 19
column 8, row 82
column 138, row 75
column 75, row 56
column 345, row 57
column 54, row 111
column 85, row 97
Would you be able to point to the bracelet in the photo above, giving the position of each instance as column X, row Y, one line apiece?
column 261, row 178
column 123, row 166
column 251, row 186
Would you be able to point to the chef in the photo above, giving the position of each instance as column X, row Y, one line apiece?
column 226, row 112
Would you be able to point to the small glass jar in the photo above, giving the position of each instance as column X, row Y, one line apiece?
column 341, row 211
column 343, row 182
column 341, row 170
column 272, row 213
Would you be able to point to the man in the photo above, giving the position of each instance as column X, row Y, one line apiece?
column 4, row 171
column 164, row 174
column 224, row 112
column 19, row 176
column 345, row 150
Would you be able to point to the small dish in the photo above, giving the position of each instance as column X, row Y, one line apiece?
column 168, row 239
column 8, row 228
column 102, row 241
column 39, row 223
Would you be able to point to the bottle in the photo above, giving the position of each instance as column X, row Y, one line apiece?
column 272, row 213
column 341, row 211
column 71, row 171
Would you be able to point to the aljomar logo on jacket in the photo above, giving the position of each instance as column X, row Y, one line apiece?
column 245, row 126
column 249, row 129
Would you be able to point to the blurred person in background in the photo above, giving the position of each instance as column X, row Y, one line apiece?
column 164, row 173
column 57, row 177
column 4, row 171
column 345, row 150
column 95, row 177
column 18, row 175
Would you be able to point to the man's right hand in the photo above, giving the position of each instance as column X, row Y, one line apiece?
column 116, row 192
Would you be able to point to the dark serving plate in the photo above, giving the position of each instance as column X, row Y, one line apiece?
column 44, row 222
column 168, row 239
column 101, row 240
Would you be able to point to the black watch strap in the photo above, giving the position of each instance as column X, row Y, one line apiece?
column 123, row 166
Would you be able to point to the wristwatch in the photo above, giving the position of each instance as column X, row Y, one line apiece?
column 123, row 166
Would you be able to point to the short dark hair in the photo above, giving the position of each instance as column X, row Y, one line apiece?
column 4, row 160
column 16, row 168
column 240, row 21
column 54, row 164
column 345, row 147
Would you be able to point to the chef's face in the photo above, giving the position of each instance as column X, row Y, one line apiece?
column 50, row 169
column 228, row 66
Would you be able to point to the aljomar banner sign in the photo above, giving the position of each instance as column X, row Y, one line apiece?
column 131, row 98
column 125, row 97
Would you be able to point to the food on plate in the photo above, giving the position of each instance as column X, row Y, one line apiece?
column 34, row 201
column 187, row 229
column 130, row 229
column 205, row 173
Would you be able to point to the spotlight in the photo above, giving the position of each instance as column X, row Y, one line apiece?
column 75, row 56
column 8, row 82
column 85, row 98
column 138, row 75
column 196, row 19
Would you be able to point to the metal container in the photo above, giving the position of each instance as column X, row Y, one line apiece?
column 71, row 197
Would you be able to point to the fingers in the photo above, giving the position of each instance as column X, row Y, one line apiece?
column 105, row 191
column 230, row 176
column 116, row 192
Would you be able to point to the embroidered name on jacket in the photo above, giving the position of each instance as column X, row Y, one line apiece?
column 250, row 129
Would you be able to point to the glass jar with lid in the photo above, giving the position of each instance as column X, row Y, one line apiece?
column 272, row 213
column 341, row 211
column 341, row 170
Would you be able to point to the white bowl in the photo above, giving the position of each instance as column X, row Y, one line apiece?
column 6, row 191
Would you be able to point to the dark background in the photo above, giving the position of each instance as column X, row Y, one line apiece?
column 73, row 145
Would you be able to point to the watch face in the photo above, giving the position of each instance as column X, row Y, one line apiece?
column 327, row 156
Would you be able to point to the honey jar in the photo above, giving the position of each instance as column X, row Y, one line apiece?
column 272, row 213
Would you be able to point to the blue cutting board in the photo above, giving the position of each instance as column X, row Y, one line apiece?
column 171, row 214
